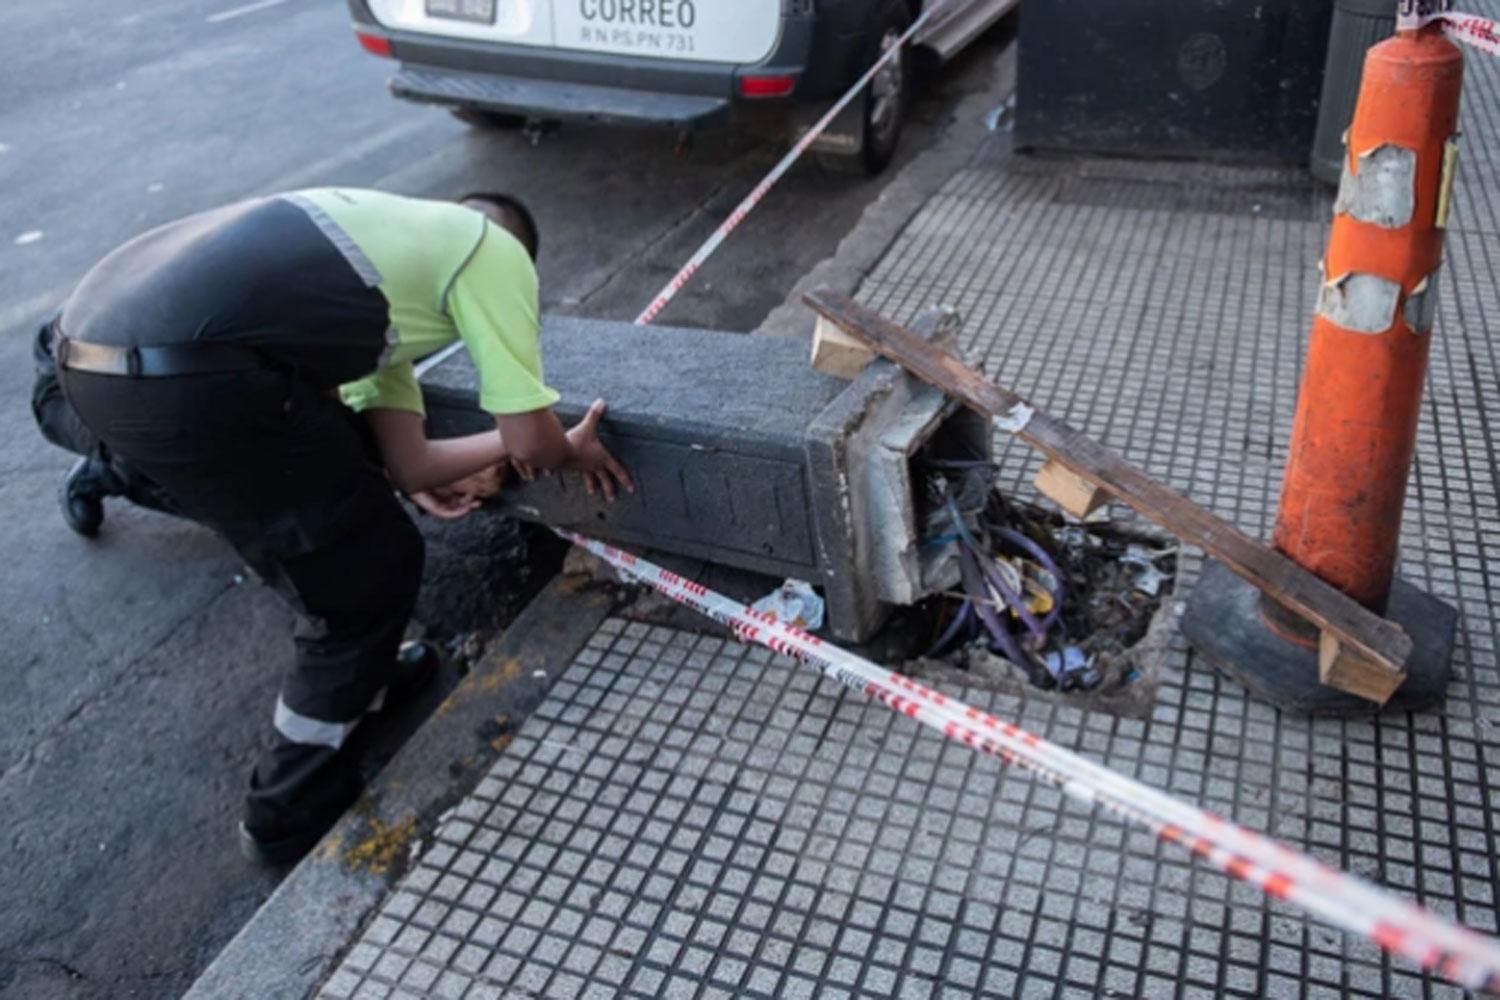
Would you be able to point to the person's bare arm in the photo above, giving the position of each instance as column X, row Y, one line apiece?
column 536, row 440
column 416, row 464
column 450, row 505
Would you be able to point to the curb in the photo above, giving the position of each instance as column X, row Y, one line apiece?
column 295, row 940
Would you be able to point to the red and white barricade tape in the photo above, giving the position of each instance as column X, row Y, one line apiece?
column 1347, row 901
column 1480, row 32
column 649, row 314
column 741, row 211
column 1412, row 15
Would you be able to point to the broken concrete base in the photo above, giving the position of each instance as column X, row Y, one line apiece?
column 1223, row 623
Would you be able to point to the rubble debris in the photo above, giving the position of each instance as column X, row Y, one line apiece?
column 1062, row 603
column 794, row 602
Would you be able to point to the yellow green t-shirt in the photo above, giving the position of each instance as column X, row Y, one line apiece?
column 447, row 273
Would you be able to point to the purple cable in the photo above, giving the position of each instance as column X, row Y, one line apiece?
column 1047, row 563
column 974, row 585
column 969, row 547
column 961, row 618
column 1016, row 602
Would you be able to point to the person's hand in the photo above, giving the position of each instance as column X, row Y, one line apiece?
column 481, row 485
column 446, row 503
column 601, row 473
column 524, row 470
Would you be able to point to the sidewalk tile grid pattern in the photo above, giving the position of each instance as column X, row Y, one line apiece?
column 686, row 817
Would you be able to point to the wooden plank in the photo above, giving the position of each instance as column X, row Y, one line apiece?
column 1345, row 669
column 1068, row 490
column 1360, row 630
column 836, row 353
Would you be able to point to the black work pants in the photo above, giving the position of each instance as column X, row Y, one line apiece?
column 60, row 424
column 280, row 470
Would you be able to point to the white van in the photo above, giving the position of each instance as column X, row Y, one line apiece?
column 677, row 63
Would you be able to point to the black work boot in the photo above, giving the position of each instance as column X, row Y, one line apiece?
column 81, row 496
column 279, row 852
column 282, row 835
column 287, row 842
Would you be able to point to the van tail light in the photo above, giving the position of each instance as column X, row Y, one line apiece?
column 376, row 45
column 767, row 86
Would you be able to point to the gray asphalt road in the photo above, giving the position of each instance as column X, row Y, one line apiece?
column 139, row 670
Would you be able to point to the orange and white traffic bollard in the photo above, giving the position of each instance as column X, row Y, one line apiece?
column 1356, row 423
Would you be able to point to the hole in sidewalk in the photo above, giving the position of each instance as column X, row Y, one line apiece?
column 1030, row 601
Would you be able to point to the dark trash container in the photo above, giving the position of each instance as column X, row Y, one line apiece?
column 1216, row 79
column 1357, row 25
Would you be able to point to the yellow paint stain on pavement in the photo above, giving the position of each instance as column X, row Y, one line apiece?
column 572, row 583
column 502, row 675
column 478, row 685
column 382, row 847
column 329, row 847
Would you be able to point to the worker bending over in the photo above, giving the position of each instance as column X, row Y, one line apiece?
column 213, row 368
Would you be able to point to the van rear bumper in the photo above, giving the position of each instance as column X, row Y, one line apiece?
column 557, row 99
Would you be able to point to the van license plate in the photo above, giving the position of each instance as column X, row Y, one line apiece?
column 476, row 11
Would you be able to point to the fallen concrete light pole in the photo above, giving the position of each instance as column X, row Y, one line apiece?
column 745, row 456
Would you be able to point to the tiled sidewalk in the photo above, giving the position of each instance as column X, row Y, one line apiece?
column 687, row 817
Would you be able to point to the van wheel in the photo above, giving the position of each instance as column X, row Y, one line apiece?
column 495, row 120
column 887, row 96
column 885, row 101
